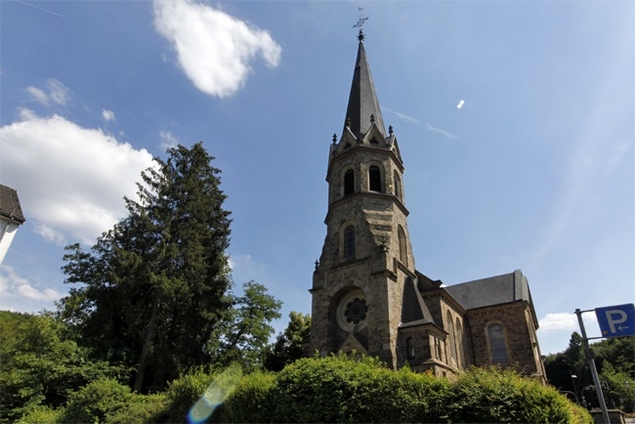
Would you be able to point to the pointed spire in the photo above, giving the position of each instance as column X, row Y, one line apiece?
column 362, row 102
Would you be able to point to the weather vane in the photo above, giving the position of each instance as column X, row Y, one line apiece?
column 360, row 24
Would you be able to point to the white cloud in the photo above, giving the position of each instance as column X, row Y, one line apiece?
column 58, row 93
column 20, row 295
column 565, row 321
column 50, row 234
column 38, row 95
column 440, row 131
column 108, row 115
column 168, row 141
column 559, row 321
column 213, row 48
column 71, row 180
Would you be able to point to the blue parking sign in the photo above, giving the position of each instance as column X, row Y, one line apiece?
column 616, row 321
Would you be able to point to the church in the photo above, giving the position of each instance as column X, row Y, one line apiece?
column 367, row 295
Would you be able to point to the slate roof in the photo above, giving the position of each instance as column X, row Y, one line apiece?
column 414, row 309
column 362, row 101
column 10, row 205
column 506, row 288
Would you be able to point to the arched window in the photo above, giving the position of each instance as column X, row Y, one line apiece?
column 460, row 357
column 349, row 182
column 397, row 185
column 437, row 348
column 497, row 343
column 403, row 249
column 349, row 242
column 410, row 348
column 452, row 338
column 374, row 178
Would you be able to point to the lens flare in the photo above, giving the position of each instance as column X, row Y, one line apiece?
column 216, row 393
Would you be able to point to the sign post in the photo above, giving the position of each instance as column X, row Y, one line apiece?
column 614, row 321
column 594, row 371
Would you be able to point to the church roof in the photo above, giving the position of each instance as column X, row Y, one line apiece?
column 414, row 309
column 506, row 288
column 362, row 101
column 10, row 205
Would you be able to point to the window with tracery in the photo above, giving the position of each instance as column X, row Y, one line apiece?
column 497, row 343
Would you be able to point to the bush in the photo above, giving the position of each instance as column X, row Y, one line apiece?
column 250, row 401
column 341, row 389
column 486, row 396
column 41, row 415
column 95, row 401
column 139, row 409
column 182, row 394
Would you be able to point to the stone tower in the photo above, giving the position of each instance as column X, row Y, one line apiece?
column 366, row 266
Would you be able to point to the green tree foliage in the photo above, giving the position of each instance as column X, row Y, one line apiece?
column 288, row 346
column 152, row 290
column 562, row 366
column 615, row 361
column 244, row 335
column 40, row 362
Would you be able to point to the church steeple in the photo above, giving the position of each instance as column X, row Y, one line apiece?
column 366, row 261
column 363, row 105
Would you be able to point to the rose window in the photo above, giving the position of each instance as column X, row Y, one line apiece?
column 356, row 311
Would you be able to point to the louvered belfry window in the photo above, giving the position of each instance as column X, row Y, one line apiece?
column 374, row 178
column 349, row 182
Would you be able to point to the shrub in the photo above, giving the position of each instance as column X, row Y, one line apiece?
column 41, row 415
column 182, row 394
column 93, row 402
column 250, row 401
column 486, row 396
column 341, row 389
column 139, row 409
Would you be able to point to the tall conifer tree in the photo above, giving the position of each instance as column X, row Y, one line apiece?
column 152, row 289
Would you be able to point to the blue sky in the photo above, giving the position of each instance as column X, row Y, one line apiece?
column 534, row 170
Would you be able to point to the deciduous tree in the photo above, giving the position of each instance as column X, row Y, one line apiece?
column 243, row 337
column 288, row 345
